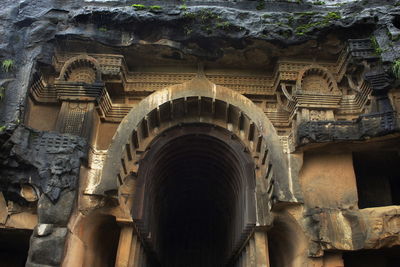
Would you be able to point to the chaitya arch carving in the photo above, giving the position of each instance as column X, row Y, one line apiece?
column 316, row 79
column 215, row 104
column 229, row 122
column 81, row 68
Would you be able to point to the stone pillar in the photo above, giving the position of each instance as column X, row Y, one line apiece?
column 261, row 245
column 61, row 169
column 124, row 246
column 48, row 239
column 255, row 252
column 134, row 251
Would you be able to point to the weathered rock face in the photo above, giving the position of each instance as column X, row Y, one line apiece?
column 224, row 32
column 310, row 195
column 49, row 161
column 352, row 229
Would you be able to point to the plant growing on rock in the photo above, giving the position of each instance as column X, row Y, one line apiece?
column 8, row 65
column 376, row 46
column 139, row 6
column 223, row 25
column 155, row 8
column 396, row 69
column 2, row 92
column 333, row 15
column 260, row 5
column 302, row 29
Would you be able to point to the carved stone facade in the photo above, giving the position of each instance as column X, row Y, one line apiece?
column 155, row 153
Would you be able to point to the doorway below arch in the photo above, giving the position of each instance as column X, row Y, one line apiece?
column 198, row 187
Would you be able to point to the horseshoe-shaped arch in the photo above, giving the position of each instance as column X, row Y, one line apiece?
column 199, row 103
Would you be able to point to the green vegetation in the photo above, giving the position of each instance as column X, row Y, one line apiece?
column 150, row 8
column 207, row 15
column 139, row 6
column 393, row 38
column 208, row 21
column 2, row 92
column 103, row 29
column 291, row 20
column 396, row 69
column 187, row 30
column 302, row 29
column 223, row 25
column 183, row 7
column 333, row 16
column 2, row 128
column 260, row 5
column 306, row 14
column 189, row 15
column 318, row 3
column 155, row 8
column 8, row 65
column 376, row 46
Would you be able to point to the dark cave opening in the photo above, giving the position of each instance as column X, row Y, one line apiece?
column 378, row 179
column 14, row 246
column 198, row 198
column 396, row 22
column 389, row 257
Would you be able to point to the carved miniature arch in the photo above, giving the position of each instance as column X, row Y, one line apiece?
column 81, row 68
column 310, row 72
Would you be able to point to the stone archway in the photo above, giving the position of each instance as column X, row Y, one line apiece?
column 218, row 133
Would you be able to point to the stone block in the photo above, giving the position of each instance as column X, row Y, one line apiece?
column 47, row 250
column 56, row 213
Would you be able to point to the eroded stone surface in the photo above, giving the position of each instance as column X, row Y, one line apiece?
column 56, row 159
column 371, row 228
column 225, row 34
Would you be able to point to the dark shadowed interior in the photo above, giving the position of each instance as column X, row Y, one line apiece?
column 14, row 246
column 388, row 257
column 378, row 178
column 198, row 194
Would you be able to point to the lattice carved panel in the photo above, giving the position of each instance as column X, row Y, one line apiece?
column 73, row 118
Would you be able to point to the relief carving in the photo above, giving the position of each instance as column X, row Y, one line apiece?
column 317, row 115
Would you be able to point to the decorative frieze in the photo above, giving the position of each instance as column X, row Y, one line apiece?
column 296, row 85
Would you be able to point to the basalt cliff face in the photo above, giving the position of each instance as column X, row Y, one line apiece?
column 240, row 33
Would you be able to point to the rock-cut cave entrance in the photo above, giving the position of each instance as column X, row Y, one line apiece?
column 188, row 162
column 198, row 187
